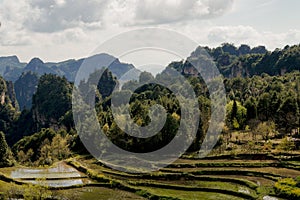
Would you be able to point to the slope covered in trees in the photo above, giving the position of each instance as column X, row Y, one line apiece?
column 245, row 61
column 25, row 87
column 267, row 93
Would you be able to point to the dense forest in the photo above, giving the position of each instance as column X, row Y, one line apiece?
column 262, row 90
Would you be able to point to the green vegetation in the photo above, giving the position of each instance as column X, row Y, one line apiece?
column 5, row 153
column 288, row 187
column 256, row 155
column 43, row 148
column 25, row 87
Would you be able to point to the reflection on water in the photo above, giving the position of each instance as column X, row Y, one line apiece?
column 61, row 170
column 60, row 183
column 63, row 175
column 269, row 198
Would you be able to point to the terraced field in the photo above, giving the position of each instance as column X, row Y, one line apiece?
column 203, row 179
column 186, row 179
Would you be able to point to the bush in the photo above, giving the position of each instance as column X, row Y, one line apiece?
column 287, row 188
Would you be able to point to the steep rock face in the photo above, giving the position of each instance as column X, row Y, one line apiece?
column 36, row 65
column 12, row 94
column 51, row 101
column 3, row 91
column 9, row 61
column 117, row 68
column 8, row 113
column 25, row 87
column 245, row 62
column 11, row 67
column 2, row 98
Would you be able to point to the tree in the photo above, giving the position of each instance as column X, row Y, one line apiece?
column 263, row 107
column 266, row 129
column 250, row 105
column 234, row 110
column 145, row 77
column 236, row 115
column 51, row 100
column 107, row 83
column 4, row 151
column 259, row 50
column 229, row 48
column 244, row 49
column 289, row 114
column 60, row 147
column 286, row 145
column 40, row 191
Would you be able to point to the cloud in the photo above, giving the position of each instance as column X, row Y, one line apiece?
column 169, row 11
column 243, row 34
column 14, row 38
column 57, row 15
column 248, row 35
column 12, row 17
column 70, row 28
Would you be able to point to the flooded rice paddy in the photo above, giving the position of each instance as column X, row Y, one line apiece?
column 61, row 175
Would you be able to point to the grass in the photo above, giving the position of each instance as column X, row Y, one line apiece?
column 189, row 195
column 3, row 186
column 204, row 184
column 268, row 170
column 265, row 184
column 97, row 193
column 257, row 180
column 182, row 177
column 7, row 170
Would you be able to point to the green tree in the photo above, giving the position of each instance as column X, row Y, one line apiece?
column 263, row 107
column 286, row 145
column 51, row 100
column 236, row 115
column 251, row 107
column 4, row 151
column 145, row 77
column 288, row 114
column 266, row 130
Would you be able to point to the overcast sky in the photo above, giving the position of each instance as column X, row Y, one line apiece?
column 55, row 30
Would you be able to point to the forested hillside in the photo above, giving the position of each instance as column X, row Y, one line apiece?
column 262, row 89
column 245, row 61
column 256, row 153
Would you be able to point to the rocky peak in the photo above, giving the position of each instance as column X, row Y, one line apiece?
column 35, row 63
column 10, row 59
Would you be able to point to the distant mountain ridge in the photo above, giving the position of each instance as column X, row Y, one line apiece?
column 26, row 75
column 244, row 61
column 9, row 64
column 232, row 61
column 11, row 68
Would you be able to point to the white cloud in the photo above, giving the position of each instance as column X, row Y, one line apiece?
column 23, row 19
column 12, row 17
column 235, row 34
column 57, row 15
column 166, row 11
column 248, row 35
column 144, row 12
column 57, row 29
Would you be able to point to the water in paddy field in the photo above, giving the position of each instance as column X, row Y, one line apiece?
column 59, row 183
column 62, row 175
column 269, row 198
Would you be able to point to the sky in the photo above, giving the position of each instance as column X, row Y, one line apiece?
column 56, row 30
